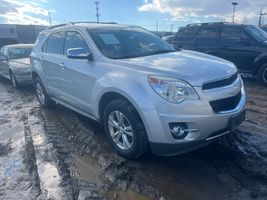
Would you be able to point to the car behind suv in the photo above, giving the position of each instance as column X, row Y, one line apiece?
column 146, row 94
column 244, row 45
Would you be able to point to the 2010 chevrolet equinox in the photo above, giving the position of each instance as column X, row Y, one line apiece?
column 145, row 93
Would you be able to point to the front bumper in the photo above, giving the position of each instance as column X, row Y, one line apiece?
column 24, row 78
column 203, row 124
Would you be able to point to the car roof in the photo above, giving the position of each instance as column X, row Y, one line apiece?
column 19, row 45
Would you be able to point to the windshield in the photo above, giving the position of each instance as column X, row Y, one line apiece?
column 19, row 52
column 257, row 33
column 128, row 42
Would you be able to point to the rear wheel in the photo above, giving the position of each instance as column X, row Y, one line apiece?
column 14, row 81
column 262, row 75
column 41, row 94
column 125, row 130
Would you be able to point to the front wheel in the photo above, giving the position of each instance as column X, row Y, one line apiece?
column 41, row 94
column 125, row 130
column 262, row 75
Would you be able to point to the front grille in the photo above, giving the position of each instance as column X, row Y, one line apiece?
column 226, row 104
column 220, row 83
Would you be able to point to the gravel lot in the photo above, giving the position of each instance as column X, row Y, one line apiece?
column 59, row 154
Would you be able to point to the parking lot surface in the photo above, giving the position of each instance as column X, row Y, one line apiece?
column 59, row 154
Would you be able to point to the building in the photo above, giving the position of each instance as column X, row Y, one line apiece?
column 15, row 34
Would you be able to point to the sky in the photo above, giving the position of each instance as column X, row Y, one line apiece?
column 168, row 14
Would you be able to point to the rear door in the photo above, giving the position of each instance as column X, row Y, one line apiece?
column 185, row 38
column 51, row 60
column 78, row 73
column 238, row 47
column 207, row 40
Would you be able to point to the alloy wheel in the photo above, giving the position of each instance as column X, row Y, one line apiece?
column 120, row 130
column 40, row 93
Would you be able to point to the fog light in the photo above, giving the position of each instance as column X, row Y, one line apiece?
column 178, row 130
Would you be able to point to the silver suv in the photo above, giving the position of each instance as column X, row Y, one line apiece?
column 146, row 94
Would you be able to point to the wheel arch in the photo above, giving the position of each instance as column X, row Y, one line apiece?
column 110, row 96
column 258, row 64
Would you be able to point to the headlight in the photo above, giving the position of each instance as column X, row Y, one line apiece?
column 173, row 90
column 23, row 70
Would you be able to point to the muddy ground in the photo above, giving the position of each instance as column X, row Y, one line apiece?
column 59, row 154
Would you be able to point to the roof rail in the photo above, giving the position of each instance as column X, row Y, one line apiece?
column 58, row 25
column 73, row 23
column 93, row 23
column 208, row 23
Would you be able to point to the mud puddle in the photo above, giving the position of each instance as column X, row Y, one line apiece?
column 86, row 169
column 128, row 195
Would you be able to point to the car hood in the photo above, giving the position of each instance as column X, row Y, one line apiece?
column 193, row 67
column 22, row 61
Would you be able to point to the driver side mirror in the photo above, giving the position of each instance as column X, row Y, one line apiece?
column 79, row 53
column 3, row 58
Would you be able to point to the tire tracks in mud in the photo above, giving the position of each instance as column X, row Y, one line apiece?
column 69, row 137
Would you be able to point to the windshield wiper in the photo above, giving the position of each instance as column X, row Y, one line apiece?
column 162, row 51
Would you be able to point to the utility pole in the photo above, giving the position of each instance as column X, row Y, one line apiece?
column 234, row 5
column 49, row 15
column 261, row 17
column 97, row 10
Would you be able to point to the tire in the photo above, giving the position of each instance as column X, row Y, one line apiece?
column 262, row 75
column 14, row 81
column 41, row 94
column 131, row 129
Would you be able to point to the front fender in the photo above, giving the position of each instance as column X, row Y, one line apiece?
column 132, row 86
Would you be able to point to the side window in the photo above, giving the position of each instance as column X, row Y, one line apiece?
column 44, row 48
column 54, row 43
column 74, row 39
column 186, row 34
column 232, row 35
column 207, row 33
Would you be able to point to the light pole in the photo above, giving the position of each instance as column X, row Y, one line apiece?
column 261, row 17
column 49, row 15
column 234, row 5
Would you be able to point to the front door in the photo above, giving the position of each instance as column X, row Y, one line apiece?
column 78, row 73
column 238, row 47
